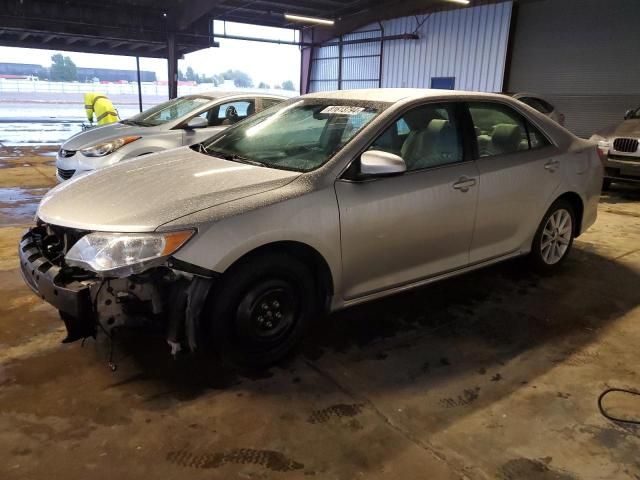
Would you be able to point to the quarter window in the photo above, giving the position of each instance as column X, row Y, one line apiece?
column 500, row 130
column 425, row 137
column 536, row 139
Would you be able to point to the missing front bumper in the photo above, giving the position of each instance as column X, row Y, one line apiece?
column 47, row 280
column 165, row 297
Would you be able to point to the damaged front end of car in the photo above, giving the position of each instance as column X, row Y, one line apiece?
column 106, row 281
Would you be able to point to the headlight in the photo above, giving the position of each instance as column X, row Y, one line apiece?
column 102, row 149
column 123, row 254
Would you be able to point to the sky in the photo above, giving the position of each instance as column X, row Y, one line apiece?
column 264, row 62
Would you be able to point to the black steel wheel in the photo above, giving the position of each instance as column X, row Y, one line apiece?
column 260, row 310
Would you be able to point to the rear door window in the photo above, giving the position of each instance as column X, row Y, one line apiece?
column 499, row 129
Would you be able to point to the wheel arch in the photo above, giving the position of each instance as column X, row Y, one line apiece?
column 304, row 253
column 577, row 203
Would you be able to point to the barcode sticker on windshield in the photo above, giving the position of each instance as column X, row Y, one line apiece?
column 343, row 110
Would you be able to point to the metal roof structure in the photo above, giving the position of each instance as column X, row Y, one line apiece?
column 142, row 27
column 171, row 28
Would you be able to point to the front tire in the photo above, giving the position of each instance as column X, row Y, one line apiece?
column 554, row 237
column 606, row 184
column 261, row 311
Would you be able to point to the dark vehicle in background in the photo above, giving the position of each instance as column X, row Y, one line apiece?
column 540, row 105
column 620, row 150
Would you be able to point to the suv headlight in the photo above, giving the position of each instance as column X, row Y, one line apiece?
column 105, row 148
column 124, row 254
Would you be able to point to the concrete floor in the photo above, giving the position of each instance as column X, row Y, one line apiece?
column 493, row 375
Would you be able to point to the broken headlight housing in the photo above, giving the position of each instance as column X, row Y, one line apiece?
column 124, row 254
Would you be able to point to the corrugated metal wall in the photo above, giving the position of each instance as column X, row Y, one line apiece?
column 582, row 56
column 361, row 61
column 349, row 66
column 469, row 44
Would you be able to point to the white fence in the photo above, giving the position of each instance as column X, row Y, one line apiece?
column 156, row 89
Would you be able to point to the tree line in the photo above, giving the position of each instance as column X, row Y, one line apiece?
column 240, row 79
column 64, row 70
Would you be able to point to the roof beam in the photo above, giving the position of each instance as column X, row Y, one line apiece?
column 198, row 9
column 372, row 12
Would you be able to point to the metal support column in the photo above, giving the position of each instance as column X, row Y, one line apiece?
column 340, row 63
column 306, row 59
column 380, row 66
column 139, row 83
column 172, row 59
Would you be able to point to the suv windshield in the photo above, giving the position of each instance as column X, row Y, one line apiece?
column 168, row 111
column 298, row 136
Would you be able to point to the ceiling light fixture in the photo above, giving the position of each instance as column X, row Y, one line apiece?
column 461, row 2
column 300, row 18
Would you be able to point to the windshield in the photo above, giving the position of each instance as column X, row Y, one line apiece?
column 168, row 111
column 298, row 136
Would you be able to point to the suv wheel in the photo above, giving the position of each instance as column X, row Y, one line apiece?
column 606, row 184
column 554, row 237
column 261, row 310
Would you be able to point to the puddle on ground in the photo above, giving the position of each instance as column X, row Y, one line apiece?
column 36, row 134
column 19, row 205
column 26, row 156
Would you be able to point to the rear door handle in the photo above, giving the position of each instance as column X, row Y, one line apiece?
column 551, row 165
column 464, row 184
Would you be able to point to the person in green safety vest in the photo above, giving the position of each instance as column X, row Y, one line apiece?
column 99, row 105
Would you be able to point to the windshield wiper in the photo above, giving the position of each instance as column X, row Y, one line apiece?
column 234, row 157
column 134, row 122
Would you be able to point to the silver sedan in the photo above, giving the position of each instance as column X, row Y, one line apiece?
column 182, row 121
column 323, row 202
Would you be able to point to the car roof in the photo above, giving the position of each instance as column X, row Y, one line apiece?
column 394, row 95
column 214, row 94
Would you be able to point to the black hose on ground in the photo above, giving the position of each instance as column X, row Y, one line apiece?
column 611, row 417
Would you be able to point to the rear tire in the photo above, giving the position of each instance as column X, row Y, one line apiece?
column 554, row 237
column 261, row 310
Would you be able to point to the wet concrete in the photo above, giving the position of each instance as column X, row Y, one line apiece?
column 493, row 375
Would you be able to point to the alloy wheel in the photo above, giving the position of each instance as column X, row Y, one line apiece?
column 556, row 236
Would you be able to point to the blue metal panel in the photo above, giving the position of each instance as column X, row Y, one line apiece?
column 443, row 83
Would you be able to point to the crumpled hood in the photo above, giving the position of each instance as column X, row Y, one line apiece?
column 142, row 194
column 628, row 128
column 102, row 134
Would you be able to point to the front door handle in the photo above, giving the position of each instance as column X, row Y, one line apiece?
column 552, row 165
column 464, row 184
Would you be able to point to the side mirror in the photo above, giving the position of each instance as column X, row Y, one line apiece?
column 197, row 122
column 379, row 163
column 628, row 114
